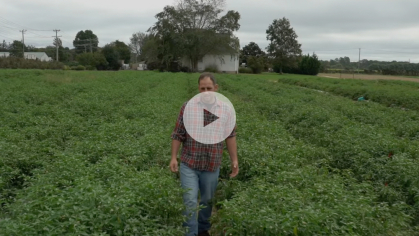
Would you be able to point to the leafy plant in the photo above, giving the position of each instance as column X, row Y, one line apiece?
column 245, row 70
column 212, row 68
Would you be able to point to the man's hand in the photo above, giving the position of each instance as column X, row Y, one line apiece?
column 174, row 165
column 232, row 150
column 234, row 169
column 175, row 149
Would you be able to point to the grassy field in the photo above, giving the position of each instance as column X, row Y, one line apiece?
column 87, row 153
column 369, row 77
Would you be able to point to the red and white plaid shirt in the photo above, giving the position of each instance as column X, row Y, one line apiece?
column 196, row 155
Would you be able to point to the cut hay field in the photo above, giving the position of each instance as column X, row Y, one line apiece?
column 87, row 153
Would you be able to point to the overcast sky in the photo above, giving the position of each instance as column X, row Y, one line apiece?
column 383, row 29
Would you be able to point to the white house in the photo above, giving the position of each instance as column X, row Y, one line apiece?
column 224, row 63
column 4, row 54
column 142, row 66
column 42, row 56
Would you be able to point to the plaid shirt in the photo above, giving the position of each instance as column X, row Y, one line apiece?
column 196, row 155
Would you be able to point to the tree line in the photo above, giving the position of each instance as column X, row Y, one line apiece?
column 344, row 64
column 188, row 30
column 192, row 29
column 86, row 53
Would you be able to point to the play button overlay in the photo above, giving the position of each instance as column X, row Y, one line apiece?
column 209, row 117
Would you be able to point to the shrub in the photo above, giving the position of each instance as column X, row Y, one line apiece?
column 112, row 57
column 174, row 67
column 79, row 67
column 21, row 63
column 256, row 64
column 245, row 70
column 92, row 61
column 154, row 65
column 211, row 68
column 309, row 65
column 89, row 67
column 184, row 69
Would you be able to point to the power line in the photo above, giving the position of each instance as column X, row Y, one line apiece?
column 6, row 37
column 8, row 27
column 19, row 25
column 44, row 36
column 9, row 34
column 9, row 30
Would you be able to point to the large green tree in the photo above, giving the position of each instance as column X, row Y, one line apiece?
column 4, row 46
column 111, row 56
column 251, row 49
column 16, row 49
column 194, row 29
column 63, row 53
column 115, row 52
column 150, row 51
column 51, row 51
column 136, row 44
column 283, row 48
column 85, row 41
column 123, row 51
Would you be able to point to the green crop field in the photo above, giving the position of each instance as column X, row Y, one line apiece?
column 87, row 153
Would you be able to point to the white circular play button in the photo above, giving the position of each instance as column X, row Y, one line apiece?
column 209, row 117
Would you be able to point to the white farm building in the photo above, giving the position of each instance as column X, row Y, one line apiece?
column 42, row 56
column 224, row 63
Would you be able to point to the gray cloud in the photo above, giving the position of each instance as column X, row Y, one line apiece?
column 384, row 29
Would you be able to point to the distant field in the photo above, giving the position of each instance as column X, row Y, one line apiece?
column 368, row 77
column 391, row 93
column 87, row 153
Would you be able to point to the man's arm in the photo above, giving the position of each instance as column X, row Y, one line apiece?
column 175, row 150
column 178, row 135
column 232, row 150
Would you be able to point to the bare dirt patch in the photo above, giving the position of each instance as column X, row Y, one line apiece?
column 367, row 77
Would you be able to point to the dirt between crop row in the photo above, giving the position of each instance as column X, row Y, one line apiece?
column 367, row 77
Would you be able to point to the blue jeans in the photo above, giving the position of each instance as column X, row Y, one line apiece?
column 195, row 180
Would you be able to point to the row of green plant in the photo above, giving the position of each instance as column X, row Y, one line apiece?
column 369, row 155
column 288, row 186
column 389, row 93
column 87, row 153
column 21, row 63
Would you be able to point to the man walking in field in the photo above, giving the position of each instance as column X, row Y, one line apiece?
column 200, row 161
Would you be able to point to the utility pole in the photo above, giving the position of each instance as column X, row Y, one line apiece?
column 23, row 42
column 56, row 40
column 359, row 60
